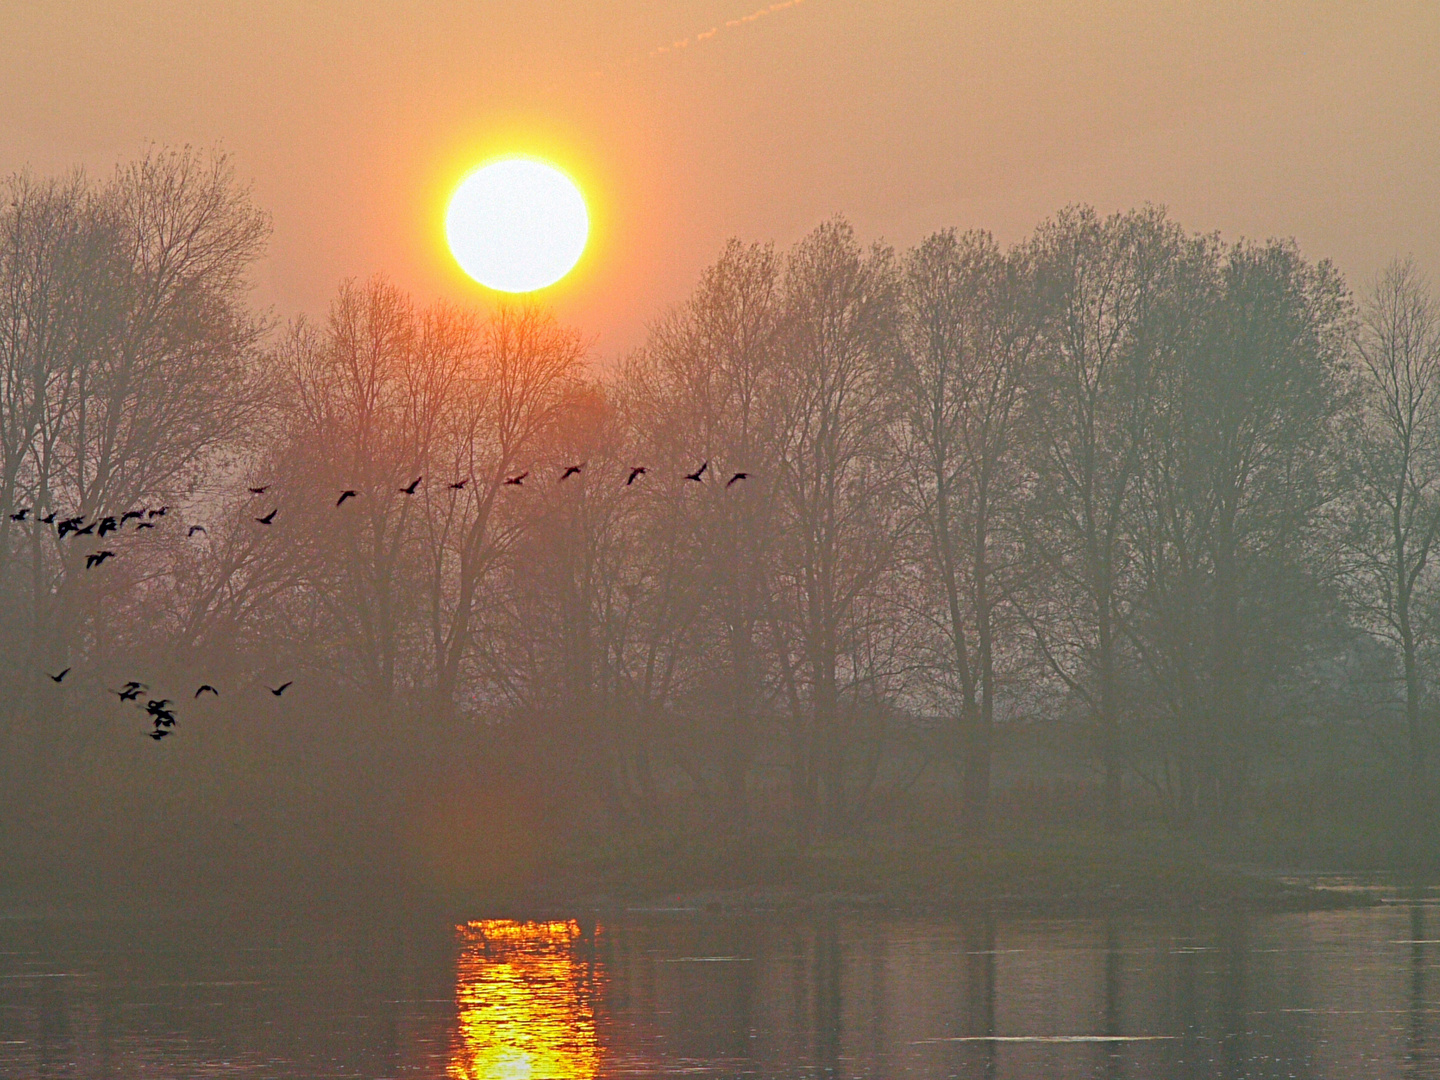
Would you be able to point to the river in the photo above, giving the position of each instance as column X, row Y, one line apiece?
column 659, row 992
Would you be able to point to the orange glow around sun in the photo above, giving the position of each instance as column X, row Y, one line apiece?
column 519, row 215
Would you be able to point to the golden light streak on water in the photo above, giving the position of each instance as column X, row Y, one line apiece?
column 526, row 1003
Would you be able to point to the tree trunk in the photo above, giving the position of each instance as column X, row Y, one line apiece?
column 1418, row 795
column 1108, row 723
column 981, row 740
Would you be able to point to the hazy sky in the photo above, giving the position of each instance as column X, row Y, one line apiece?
column 354, row 119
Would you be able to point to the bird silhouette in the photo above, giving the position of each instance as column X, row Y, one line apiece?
column 60, row 677
column 133, row 685
column 161, row 717
column 635, row 473
column 698, row 473
column 158, row 512
column 158, row 734
column 737, row 476
column 459, row 485
column 97, row 558
column 278, row 690
column 86, row 531
column 570, row 471
column 260, row 490
column 268, row 518
column 131, row 515
column 518, row 480
column 153, row 706
column 144, row 525
column 20, row 514
column 49, row 519
column 69, row 525
column 196, row 528
column 346, row 494
column 129, row 693
column 410, row 488
column 107, row 525
column 206, row 687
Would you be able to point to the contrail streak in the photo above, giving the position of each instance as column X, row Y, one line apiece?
column 706, row 35
column 727, row 25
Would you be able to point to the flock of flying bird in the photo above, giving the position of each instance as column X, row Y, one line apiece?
column 517, row 480
column 160, row 710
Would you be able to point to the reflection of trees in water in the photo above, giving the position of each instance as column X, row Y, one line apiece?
column 526, row 1003
column 1111, row 1019
column 829, row 999
column 1415, row 1056
column 1234, row 994
column 979, row 1019
column 1203, row 996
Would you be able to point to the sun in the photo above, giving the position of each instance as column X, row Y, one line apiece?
column 517, row 224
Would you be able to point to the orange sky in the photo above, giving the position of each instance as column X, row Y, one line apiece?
column 353, row 119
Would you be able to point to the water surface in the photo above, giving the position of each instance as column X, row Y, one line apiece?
column 678, row 992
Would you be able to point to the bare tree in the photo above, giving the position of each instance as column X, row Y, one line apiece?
column 60, row 264
column 838, row 481
column 369, row 393
column 128, row 331
column 510, row 394
column 1232, row 526
column 1270, row 402
column 578, row 599
column 1101, row 283
column 969, row 331
column 1395, row 490
column 703, row 390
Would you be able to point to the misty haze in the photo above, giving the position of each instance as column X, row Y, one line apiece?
column 719, row 539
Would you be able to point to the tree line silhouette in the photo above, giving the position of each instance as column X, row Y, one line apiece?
column 1175, row 494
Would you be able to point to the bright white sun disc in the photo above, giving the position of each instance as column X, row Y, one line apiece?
column 517, row 225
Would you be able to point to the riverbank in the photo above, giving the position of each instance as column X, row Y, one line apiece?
column 1049, row 871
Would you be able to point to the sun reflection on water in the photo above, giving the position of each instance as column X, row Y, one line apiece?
column 525, row 998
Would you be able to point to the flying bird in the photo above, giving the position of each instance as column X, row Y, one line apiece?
column 260, row 490
column 133, row 685
column 49, row 519
column 346, row 494
column 196, row 528
column 737, row 476
column 69, row 525
column 86, row 531
column 278, row 690
column 152, row 706
column 144, row 525
column 158, row 734
column 517, row 481
column 268, row 518
column 97, row 558
column 207, row 687
column 60, row 677
column 635, row 473
column 159, row 512
column 459, row 485
column 131, row 515
column 570, row 471
column 107, row 525
column 129, row 693
column 698, row 473
column 410, row 489
column 164, row 719
column 20, row 514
